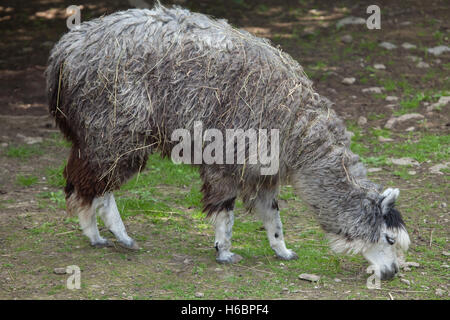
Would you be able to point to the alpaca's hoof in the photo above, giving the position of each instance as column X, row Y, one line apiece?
column 289, row 255
column 229, row 258
column 132, row 245
column 102, row 244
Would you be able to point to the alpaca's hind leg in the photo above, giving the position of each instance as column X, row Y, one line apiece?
column 270, row 215
column 110, row 215
column 223, row 221
column 88, row 220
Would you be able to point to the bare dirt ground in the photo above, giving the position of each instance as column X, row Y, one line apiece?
column 36, row 237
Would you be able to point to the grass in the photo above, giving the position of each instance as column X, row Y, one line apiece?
column 24, row 152
column 26, row 180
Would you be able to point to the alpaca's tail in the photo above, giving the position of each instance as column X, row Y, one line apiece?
column 58, row 99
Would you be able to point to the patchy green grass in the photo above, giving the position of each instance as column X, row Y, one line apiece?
column 24, row 152
column 26, row 180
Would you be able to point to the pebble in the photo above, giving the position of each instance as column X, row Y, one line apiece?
column 410, row 129
column 443, row 101
column 422, row 64
column 412, row 172
column 436, row 169
column 405, row 281
column 347, row 38
column 391, row 98
column 59, row 270
column 439, row 292
column 388, row 45
column 218, row 269
column 404, row 162
column 414, row 58
column 372, row 90
column 337, row 280
column 309, row 277
column 411, row 264
column 445, row 266
column 379, row 66
column 446, row 253
column 350, row 20
column 3, row 144
column 362, row 121
column 390, row 106
column 374, row 169
column 199, row 294
column 383, row 139
column 437, row 51
column 408, row 46
column 406, row 117
column 348, row 80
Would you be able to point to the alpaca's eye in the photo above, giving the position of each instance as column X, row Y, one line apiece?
column 390, row 240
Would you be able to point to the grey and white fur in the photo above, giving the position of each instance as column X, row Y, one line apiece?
column 119, row 85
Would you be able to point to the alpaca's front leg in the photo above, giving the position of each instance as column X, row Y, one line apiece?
column 270, row 215
column 224, row 224
column 111, row 217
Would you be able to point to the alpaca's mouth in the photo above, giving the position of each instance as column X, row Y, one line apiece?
column 387, row 273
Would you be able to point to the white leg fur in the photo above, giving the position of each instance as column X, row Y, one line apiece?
column 274, row 228
column 224, row 225
column 110, row 215
column 88, row 220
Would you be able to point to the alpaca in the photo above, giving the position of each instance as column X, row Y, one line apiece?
column 120, row 85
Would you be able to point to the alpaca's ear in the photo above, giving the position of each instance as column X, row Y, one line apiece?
column 388, row 198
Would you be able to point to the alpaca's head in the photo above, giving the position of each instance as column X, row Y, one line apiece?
column 393, row 241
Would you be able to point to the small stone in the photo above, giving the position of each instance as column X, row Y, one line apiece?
column 362, row 121
column 347, row 38
column 379, row 66
column 422, row 64
column 374, row 169
column 446, row 253
column 437, row 61
column 282, row 264
column 372, row 90
column 436, row 169
column 443, row 101
column 408, row 46
column 437, row 51
column 445, row 266
column 350, row 80
column 218, row 269
column 350, row 20
column 186, row 261
column 390, row 106
column 391, row 98
column 405, row 23
column 406, row 269
column 388, row 45
column 404, row 162
column 412, row 172
column 439, row 292
column 405, row 281
column 337, row 280
column 411, row 264
column 414, row 58
column 383, row 139
column 309, row 277
column 443, row 205
column 59, row 270
column 3, row 144
column 406, row 117
column 410, row 129
column 285, row 289
column 199, row 294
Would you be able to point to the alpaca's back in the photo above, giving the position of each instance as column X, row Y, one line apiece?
column 123, row 83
